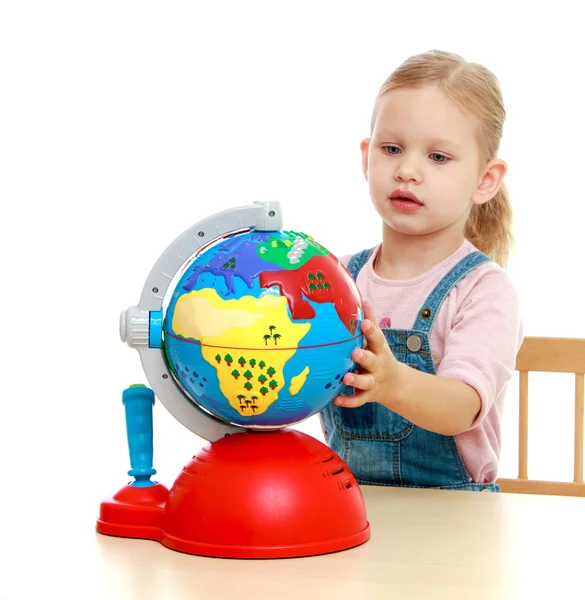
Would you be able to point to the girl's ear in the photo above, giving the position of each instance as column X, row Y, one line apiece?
column 490, row 182
column 365, row 148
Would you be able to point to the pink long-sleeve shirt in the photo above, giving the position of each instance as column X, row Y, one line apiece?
column 475, row 338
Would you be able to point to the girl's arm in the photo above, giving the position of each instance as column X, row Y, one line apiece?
column 406, row 391
column 439, row 404
column 474, row 368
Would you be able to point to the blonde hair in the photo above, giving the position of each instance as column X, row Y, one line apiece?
column 476, row 90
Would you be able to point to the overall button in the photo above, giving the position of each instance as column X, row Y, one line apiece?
column 426, row 313
column 413, row 343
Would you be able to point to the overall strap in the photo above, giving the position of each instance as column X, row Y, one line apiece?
column 357, row 261
column 430, row 308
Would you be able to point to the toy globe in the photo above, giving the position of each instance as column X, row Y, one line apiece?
column 260, row 328
column 243, row 329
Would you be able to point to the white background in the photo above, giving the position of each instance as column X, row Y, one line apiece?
column 123, row 123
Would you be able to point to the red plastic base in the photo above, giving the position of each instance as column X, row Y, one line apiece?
column 250, row 495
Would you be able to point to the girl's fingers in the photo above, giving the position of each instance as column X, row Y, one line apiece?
column 368, row 310
column 360, row 382
column 364, row 358
column 374, row 336
column 351, row 401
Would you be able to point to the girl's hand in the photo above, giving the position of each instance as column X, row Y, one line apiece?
column 378, row 369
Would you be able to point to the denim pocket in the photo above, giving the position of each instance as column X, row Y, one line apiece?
column 371, row 421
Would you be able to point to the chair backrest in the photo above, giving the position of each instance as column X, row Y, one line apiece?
column 550, row 355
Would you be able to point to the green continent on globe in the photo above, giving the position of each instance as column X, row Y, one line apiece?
column 290, row 254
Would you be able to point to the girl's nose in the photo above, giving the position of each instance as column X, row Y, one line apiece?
column 408, row 170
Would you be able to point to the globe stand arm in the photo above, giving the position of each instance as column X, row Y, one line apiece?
column 141, row 326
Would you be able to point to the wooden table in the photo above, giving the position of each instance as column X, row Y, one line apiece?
column 425, row 544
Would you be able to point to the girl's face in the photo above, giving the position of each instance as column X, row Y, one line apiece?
column 423, row 163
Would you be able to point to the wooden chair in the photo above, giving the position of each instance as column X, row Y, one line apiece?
column 551, row 355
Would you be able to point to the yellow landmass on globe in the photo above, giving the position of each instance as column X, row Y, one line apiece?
column 298, row 381
column 248, row 340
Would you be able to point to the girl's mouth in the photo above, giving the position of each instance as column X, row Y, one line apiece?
column 405, row 201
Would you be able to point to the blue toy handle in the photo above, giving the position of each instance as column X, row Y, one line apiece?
column 138, row 401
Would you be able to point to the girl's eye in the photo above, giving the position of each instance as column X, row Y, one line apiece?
column 392, row 150
column 439, row 158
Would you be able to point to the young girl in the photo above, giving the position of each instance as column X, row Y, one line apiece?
column 441, row 319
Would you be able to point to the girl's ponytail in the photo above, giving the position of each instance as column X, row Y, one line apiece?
column 489, row 227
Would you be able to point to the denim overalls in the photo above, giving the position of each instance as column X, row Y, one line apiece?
column 383, row 448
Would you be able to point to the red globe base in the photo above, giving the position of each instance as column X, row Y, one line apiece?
column 250, row 495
